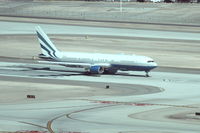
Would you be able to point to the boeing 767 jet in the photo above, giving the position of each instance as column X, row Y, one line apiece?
column 94, row 63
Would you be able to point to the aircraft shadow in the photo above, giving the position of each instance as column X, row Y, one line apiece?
column 128, row 74
column 76, row 73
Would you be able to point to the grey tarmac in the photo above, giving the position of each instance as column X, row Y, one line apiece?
column 68, row 101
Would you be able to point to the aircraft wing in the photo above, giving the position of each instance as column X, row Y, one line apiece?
column 80, row 65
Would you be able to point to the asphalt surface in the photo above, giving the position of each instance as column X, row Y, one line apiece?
column 68, row 101
column 64, row 113
column 168, row 48
column 28, row 28
column 40, row 73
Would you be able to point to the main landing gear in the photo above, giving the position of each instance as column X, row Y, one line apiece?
column 147, row 74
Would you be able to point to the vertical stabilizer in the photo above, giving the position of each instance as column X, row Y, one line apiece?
column 48, row 48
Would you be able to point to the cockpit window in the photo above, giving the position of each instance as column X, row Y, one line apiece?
column 150, row 61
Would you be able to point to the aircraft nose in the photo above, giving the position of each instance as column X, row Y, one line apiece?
column 154, row 65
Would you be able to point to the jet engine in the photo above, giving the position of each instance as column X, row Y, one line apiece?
column 96, row 70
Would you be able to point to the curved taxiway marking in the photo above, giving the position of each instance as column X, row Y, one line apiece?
column 68, row 115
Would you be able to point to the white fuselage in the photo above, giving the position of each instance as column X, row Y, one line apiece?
column 131, row 62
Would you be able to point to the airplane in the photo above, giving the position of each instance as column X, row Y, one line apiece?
column 93, row 63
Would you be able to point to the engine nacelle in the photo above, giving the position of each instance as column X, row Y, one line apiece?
column 96, row 70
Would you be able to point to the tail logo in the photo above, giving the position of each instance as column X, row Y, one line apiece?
column 47, row 46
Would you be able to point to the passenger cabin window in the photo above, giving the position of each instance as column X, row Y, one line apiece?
column 150, row 61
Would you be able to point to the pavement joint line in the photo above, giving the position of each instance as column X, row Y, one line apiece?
column 32, row 124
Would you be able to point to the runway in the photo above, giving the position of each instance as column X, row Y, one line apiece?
column 29, row 28
column 69, row 101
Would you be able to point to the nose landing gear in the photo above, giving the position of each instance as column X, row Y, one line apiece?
column 147, row 74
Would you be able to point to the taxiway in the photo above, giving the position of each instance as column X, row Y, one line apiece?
column 68, row 101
